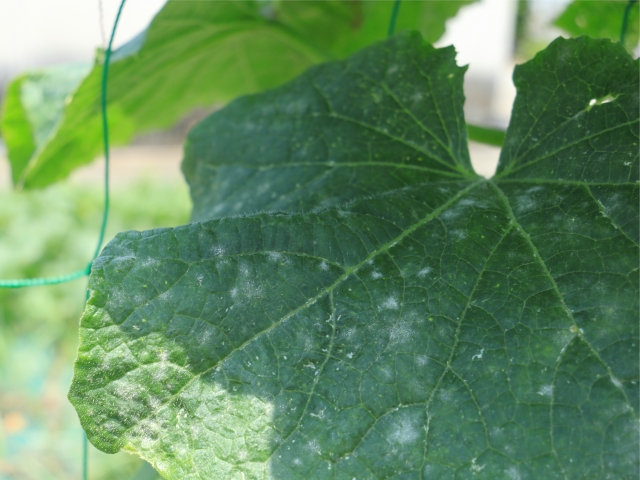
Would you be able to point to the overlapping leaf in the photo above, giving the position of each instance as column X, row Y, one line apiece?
column 387, row 314
column 600, row 18
column 198, row 54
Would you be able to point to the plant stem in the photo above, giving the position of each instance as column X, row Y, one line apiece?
column 394, row 16
column 490, row 136
column 625, row 20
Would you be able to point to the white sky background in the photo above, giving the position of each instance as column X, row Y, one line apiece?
column 36, row 33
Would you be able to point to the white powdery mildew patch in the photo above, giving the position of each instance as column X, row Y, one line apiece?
column 247, row 289
column 150, row 262
column 376, row 275
column 405, row 431
column 458, row 234
column 524, row 204
column 217, row 250
column 390, row 303
column 401, row 332
column 350, row 333
column 385, row 374
column 424, row 272
column 116, row 357
column 445, row 396
column 127, row 391
column 274, row 256
column 421, row 360
column 468, row 202
column 512, row 473
column 478, row 356
column 475, row 468
column 314, row 446
column 616, row 382
column 324, row 266
column 244, row 270
column 546, row 390
column 144, row 436
column 451, row 213
column 121, row 261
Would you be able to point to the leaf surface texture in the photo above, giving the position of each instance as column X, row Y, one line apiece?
column 388, row 313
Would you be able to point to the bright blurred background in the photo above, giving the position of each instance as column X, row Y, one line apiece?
column 53, row 231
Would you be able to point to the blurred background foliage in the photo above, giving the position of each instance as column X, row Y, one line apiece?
column 48, row 232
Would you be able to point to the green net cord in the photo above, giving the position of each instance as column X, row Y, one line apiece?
column 625, row 20
column 394, row 17
column 34, row 282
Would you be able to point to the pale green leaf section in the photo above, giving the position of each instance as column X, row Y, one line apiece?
column 438, row 325
column 33, row 110
column 600, row 19
column 201, row 54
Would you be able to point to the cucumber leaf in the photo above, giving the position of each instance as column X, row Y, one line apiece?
column 198, row 54
column 388, row 314
column 600, row 19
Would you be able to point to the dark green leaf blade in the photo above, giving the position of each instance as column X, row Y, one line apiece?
column 447, row 328
column 406, row 127
column 569, row 172
column 575, row 117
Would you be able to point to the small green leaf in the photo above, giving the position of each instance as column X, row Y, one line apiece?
column 33, row 110
column 413, row 321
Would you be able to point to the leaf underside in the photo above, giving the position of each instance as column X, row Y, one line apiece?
column 353, row 301
column 199, row 54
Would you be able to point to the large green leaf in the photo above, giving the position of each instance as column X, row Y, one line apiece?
column 387, row 313
column 600, row 18
column 199, row 54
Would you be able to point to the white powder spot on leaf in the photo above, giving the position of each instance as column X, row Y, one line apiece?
column 274, row 256
column 424, row 272
column 402, row 332
column 390, row 303
column 475, row 468
column 546, row 390
column 512, row 473
column 405, row 431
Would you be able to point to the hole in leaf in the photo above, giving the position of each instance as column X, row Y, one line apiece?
column 484, row 158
